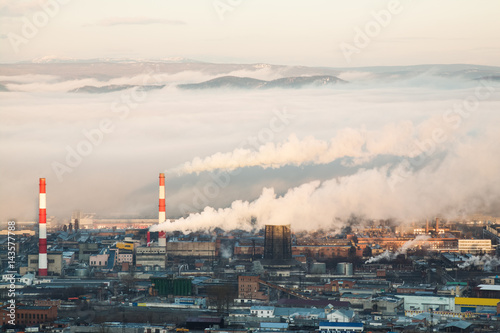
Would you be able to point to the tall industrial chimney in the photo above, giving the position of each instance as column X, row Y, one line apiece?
column 437, row 225
column 161, row 212
column 42, row 230
column 162, row 238
column 427, row 227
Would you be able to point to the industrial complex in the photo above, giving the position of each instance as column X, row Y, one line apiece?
column 112, row 275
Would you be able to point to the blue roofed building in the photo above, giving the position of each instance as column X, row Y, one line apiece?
column 275, row 327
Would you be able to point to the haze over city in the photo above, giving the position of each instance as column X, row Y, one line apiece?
column 123, row 82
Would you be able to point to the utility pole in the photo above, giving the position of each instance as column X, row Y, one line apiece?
column 432, row 320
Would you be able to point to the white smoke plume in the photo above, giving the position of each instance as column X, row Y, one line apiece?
column 388, row 255
column 361, row 145
column 377, row 193
column 488, row 262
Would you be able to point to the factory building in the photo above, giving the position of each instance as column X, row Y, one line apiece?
column 474, row 246
column 150, row 256
column 29, row 315
column 207, row 250
column 249, row 288
column 476, row 305
column 277, row 242
column 86, row 250
column 428, row 302
column 439, row 244
column 54, row 260
column 99, row 260
column 322, row 251
column 172, row 286
column 90, row 221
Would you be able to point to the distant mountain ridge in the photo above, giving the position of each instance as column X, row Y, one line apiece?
column 112, row 88
column 63, row 60
column 237, row 82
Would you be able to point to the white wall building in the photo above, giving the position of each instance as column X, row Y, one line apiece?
column 340, row 316
column 427, row 302
column 262, row 311
column 474, row 246
column 27, row 279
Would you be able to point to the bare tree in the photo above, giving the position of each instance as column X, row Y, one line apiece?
column 221, row 296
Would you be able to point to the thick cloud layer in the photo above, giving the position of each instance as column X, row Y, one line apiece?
column 386, row 149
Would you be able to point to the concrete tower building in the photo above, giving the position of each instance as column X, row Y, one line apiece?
column 278, row 242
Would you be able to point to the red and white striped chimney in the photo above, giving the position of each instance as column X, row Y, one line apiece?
column 161, row 212
column 42, row 230
column 162, row 238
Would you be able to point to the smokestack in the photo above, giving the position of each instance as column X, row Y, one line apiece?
column 161, row 212
column 162, row 238
column 427, row 227
column 148, row 241
column 42, row 230
column 437, row 225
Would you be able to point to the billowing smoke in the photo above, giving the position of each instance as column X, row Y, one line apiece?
column 489, row 263
column 388, row 255
column 414, row 189
column 420, row 156
column 396, row 139
column 378, row 193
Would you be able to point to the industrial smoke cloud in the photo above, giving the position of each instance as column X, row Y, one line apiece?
column 360, row 145
column 377, row 193
column 388, row 255
column 487, row 262
column 374, row 143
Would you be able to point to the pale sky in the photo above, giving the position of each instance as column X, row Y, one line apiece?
column 272, row 31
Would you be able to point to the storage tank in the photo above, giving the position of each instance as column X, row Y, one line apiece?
column 82, row 272
column 345, row 268
column 318, row 268
column 349, row 269
column 341, row 268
